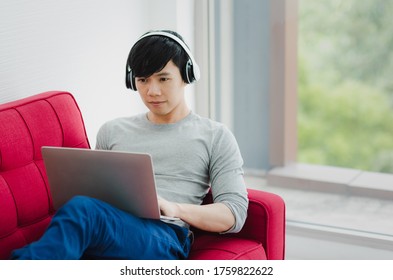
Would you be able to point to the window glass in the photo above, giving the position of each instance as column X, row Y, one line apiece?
column 345, row 87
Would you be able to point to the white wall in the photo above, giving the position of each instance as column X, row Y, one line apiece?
column 81, row 46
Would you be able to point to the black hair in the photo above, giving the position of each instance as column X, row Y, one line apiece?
column 150, row 55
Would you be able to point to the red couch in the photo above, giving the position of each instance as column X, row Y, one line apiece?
column 54, row 119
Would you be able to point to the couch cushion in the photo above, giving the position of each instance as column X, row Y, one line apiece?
column 219, row 247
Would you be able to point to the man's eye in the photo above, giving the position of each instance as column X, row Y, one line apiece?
column 141, row 80
column 164, row 79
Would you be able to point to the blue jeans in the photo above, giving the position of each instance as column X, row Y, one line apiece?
column 89, row 227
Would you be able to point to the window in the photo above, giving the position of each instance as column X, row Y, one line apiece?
column 345, row 112
column 263, row 95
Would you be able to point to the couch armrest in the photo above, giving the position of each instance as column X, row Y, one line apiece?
column 266, row 222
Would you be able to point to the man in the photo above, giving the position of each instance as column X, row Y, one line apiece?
column 190, row 155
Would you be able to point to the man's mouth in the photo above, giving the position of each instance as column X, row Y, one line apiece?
column 156, row 102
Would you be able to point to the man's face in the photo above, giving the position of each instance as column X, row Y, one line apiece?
column 163, row 94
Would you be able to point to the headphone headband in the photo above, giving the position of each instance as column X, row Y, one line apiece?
column 192, row 69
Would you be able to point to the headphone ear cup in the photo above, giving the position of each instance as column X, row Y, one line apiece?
column 130, row 80
column 189, row 72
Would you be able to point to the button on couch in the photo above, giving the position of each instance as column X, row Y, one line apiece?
column 54, row 119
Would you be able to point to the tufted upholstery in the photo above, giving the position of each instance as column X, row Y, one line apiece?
column 51, row 119
column 54, row 119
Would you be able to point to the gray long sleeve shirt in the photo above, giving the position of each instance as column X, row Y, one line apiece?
column 189, row 157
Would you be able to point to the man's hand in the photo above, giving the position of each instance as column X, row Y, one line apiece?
column 167, row 208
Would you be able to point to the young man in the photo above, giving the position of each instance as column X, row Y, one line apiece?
column 190, row 155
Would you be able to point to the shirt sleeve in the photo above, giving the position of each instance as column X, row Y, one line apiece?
column 226, row 176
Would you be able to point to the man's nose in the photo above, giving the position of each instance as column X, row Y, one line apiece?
column 154, row 89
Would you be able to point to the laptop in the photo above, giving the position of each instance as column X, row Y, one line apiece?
column 123, row 179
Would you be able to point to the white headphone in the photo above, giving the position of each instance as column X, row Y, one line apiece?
column 192, row 72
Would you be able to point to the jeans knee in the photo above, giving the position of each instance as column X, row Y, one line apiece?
column 79, row 204
column 80, row 200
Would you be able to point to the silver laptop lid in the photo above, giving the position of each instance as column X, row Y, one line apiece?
column 123, row 179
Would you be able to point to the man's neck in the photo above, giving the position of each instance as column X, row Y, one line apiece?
column 169, row 118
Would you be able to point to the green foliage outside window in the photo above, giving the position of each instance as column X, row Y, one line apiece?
column 345, row 88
